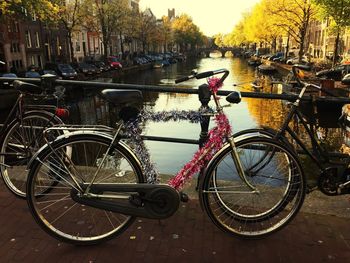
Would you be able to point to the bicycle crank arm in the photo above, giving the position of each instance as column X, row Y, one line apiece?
column 141, row 200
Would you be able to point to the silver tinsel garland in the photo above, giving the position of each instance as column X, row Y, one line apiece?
column 133, row 131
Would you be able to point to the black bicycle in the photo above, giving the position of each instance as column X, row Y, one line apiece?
column 89, row 184
column 22, row 133
column 334, row 170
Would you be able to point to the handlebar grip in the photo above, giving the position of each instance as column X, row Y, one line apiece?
column 181, row 79
column 204, row 74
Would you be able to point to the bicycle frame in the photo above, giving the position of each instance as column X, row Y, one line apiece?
column 217, row 136
column 317, row 148
column 17, row 112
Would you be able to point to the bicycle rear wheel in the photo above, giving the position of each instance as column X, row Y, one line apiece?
column 23, row 138
column 56, row 211
column 269, row 166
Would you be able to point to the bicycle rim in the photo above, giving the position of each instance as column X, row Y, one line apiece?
column 56, row 211
column 277, row 176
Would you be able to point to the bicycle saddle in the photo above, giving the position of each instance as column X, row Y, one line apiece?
column 234, row 97
column 122, row 96
column 27, row 87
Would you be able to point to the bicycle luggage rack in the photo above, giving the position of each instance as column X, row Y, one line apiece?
column 109, row 130
column 73, row 128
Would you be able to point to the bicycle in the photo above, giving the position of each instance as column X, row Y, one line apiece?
column 334, row 177
column 104, row 184
column 21, row 134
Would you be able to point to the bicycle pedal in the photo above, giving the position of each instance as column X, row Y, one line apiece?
column 184, row 197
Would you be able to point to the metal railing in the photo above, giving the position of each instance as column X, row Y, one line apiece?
column 49, row 83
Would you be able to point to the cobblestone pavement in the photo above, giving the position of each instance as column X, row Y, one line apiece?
column 188, row 236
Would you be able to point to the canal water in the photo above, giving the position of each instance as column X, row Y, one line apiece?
column 88, row 108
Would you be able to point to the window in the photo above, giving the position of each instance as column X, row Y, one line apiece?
column 28, row 39
column 37, row 40
column 15, row 47
column 77, row 46
column 32, row 60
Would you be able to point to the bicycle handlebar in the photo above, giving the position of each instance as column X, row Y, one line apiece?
column 205, row 74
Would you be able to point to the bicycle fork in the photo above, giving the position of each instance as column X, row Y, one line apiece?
column 239, row 166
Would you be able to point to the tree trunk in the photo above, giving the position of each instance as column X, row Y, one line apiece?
column 71, row 48
column 121, row 42
column 274, row 44
column 336, row 44
column 105, row 48
column 287, row 48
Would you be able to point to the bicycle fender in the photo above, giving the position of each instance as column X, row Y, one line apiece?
column 63, row 136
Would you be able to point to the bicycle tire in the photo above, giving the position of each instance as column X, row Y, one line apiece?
column 232, row 206
column 55, row 211
column 21, row 140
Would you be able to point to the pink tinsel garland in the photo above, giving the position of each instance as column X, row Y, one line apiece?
column 214, row 143
column 214, row 84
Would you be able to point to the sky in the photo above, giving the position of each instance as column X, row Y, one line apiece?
column 212, row 17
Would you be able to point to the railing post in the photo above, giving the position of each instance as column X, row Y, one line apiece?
column 48, row 83
column 204, row 97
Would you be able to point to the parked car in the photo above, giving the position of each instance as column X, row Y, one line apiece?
column 49, row 71
column 266, row 56
column 276, row 56
column 114, row 62
column 8, row 83
column 85, row 68
column 101, row 65
column 140, row 60
column 296, row 60
column 346, row 79
column 63, row 70
column 32, row 74
column 282, row 59
column 335, row 73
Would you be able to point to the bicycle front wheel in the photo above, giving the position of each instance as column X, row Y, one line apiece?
column 53, row 205
column 275, row 172
column 23, row 138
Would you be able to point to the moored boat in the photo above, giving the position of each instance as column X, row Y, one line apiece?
column 266, row 69
column 254, row 62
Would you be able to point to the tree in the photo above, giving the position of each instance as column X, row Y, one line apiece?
column 219, row 40
column 41, row 8
column 294, row 17
column 105, row 16
column 238, row 35
column 165, row 32
column 71, row 16
column 339, row 12
column 263, row 27
column 186, row 32
column 145, row 28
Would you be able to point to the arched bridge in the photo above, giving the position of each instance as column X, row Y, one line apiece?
column 223, row 50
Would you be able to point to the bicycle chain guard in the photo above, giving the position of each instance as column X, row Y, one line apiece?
column 147, row 200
